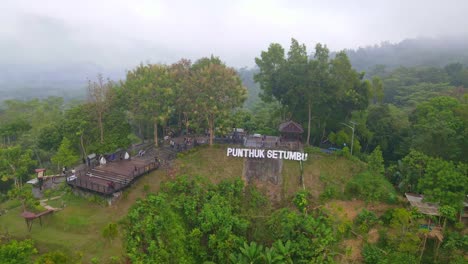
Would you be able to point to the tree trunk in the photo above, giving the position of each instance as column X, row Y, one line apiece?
column 140, row 131
column 155, row 133
column 101, row 127
column 186, row 122
column 308, row 121
column 82, row 146
column 423, row 248
column 211, row 129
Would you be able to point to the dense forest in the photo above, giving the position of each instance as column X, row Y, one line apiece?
column 408, row 122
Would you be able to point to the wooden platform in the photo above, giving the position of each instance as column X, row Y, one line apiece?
column 113, row 176
column 29, row 217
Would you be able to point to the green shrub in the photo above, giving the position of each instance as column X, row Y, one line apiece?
column 372, row 254
column 312, row 150
column 386, row 217
column 55, row 257
column 110, row 231
column 17, row 251
column 301, row 201
column 365, row 220
column 371, row 188
column 328, row 193
column 12, row 204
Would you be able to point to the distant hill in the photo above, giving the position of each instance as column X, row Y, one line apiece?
column 25, row 82
column 253, row 89
column 436, row 52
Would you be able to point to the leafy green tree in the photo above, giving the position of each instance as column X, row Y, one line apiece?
column 151, row 88
column 447, row 212
column 65, row 155
column 377, row 90
column 50, row 137
column 375, row 162
column 16, row 164
column 218, row 90
column 388, row 127
column 404, row 237
column 282, row 252
column 78, row 128
column 98, row 93
column 249, row 254
column 412, row 170
column 156, row 236
column 444, row 183
column 330, row 88
column 181, row 73
column 437, row 130
column 17, row 252
column 311, row 236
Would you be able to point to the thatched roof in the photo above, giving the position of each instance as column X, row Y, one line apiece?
column 291, row 127
column 416, row 200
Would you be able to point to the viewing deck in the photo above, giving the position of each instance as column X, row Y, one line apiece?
column 111, row 177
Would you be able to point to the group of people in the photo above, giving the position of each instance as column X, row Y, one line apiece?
column 185, row 145
column 65, row 171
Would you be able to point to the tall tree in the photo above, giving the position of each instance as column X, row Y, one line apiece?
column 65, row 155
column 98, row 93
column 181, row 73
column 218, row 90
column 15, row 164
column 437, row 129
column 331, row 88
column 151, row 87
column 377, row 90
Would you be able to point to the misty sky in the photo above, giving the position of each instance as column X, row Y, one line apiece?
column 118, row 33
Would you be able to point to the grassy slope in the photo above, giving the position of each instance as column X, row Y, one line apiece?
column 78, row 227
column 331, row 168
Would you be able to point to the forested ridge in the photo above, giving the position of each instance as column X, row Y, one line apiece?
column 410, row 130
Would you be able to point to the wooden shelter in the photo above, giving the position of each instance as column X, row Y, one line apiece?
column 416, row 200
column 29, row 217
column 290, row 130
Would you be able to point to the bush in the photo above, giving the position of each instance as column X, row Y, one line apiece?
column 386, row 218
column 301, row 201
column 55, row 257
column 371, row 188
column 110, row 231
column 311, row 150
column 372, row 254
column 365, row 220
column 328, row 193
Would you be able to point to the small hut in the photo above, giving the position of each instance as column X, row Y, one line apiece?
column 290, row 131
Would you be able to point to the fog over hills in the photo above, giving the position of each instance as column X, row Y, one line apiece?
column 51, row 47
column 25, row 81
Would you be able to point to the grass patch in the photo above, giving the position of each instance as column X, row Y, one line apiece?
column 210, row 162
column 371, row 188
column 10, row 204
column 321, row 172
column 77, row 229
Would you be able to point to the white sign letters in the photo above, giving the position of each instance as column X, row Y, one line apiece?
column 262, row 154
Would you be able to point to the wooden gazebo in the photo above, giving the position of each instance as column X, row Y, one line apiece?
column 290, row 131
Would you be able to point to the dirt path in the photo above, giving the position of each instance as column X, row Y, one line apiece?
column 44, row 204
